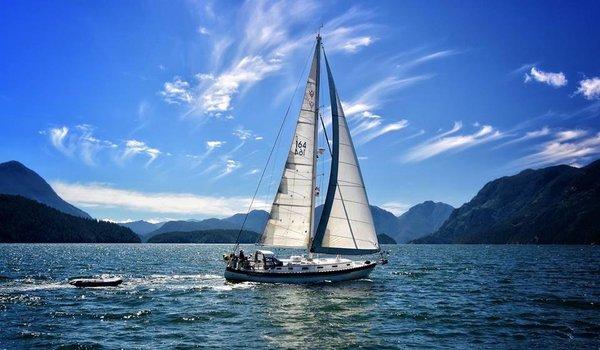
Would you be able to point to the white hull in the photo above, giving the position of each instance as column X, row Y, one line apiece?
column 241, row 276
column 302, row 271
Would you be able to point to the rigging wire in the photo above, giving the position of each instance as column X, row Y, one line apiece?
column 237, row 240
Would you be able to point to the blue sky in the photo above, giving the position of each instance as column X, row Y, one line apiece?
column 157, row 110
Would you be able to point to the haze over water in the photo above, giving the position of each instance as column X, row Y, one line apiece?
column 175, row 296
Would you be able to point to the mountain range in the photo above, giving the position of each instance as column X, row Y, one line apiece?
column 24, row 220
column 420, row 220
column 17, row 179
column 554, row 205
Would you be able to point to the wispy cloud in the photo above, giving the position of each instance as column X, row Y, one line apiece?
column 105, row 196
column 399, row 125
column 135, row 147
column 359, row 111
column 355, row 44
column 230, row 166
column 249, row 70
column 265, row 36
column 210, row 147
column 57, row 138
column 524, row 68
column 79, row 141
column 427, row 58
column 253, row 171
column 555, row 80
column 177, row 91
column 202, row 30
column 545, row 131
column 245, row 134
column 589, row 88
column 568, row 146
column 447, row 141
column 396, row 208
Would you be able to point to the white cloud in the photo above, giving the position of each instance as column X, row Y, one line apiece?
column 353, row 45
column 102, row 195
column 245, row 134
column 545, row 131
column 230, row 166
column 203, row 31
column 426, row 58
column 372, row 97
column 567, row 147
column 570, row 134
column 79, row 141
column 399, row 125
column 553, row 79
column 249, row 70
column 196, row 160
column 396, row 208
column 368, row 121
column 590, row 88
column 259, row 43
column 445, row 142
column 57, row 138
column 364, row 121
column 205, row 76
column 211, row 145
column 134, row 147
column 177, row 92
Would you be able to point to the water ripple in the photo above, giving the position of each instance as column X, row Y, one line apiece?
column 174, row 296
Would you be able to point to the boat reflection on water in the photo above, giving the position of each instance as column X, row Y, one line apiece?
column 317, row 316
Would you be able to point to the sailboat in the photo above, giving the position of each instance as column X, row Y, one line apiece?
column 345, row 226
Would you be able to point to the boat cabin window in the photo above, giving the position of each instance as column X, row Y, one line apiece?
column 304, row 268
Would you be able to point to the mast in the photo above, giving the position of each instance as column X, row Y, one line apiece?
column 316, row 141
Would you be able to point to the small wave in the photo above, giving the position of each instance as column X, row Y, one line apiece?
column 570, row 303
column 80, row 346
column 35, row 287
column 410, row 274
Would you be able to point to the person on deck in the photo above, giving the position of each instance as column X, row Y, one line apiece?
column 242, row 258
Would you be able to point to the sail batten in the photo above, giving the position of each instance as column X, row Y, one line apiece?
column 346, row 224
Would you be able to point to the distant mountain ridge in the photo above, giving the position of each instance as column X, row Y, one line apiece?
column 17, row 179
column 256, row 222
column 554, row 205
column 205, row 236
column 141, row 228
column 422, row 220
column 23, row 220
column 428, row 215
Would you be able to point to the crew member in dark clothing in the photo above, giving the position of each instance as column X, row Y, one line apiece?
column 242, row 258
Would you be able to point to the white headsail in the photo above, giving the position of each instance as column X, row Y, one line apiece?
column 292, row 214
column 346, row 224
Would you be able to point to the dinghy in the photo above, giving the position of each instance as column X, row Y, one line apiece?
column 345, row 226
column 96, row 282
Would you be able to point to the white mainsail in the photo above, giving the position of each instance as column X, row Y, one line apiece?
column 346, row 224
column 291, row 218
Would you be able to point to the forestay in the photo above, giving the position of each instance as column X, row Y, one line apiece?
column 291, row 218
column 346, row 224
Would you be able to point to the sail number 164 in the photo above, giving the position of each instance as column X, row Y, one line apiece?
column 300, row 148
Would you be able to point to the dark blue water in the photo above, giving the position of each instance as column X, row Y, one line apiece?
column 175, row 297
